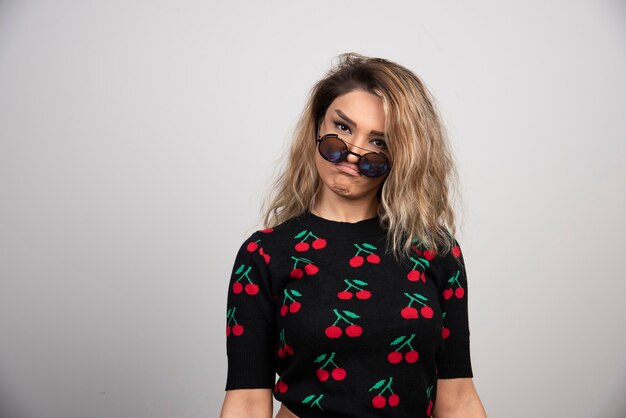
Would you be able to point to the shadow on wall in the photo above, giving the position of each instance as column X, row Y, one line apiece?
column 9, row 408
column 615, row 407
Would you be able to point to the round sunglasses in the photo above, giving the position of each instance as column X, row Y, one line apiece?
column 334, row 149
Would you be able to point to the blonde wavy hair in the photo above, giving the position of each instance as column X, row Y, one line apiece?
column 415, row 198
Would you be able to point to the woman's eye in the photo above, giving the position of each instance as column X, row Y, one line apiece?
column 381, row 143
column 341, row 126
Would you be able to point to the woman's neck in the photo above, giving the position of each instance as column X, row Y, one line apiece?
column 350, row 213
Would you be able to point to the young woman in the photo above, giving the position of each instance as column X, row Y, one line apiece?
column 355, row 293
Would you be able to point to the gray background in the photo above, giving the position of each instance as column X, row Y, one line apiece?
column 138, row 138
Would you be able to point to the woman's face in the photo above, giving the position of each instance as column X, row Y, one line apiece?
column 358, row 118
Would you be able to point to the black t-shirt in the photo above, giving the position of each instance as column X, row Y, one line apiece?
column 349, row 330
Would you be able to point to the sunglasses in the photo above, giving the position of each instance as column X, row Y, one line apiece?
column 334, row 149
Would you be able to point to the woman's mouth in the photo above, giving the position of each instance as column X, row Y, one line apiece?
column 348, row 168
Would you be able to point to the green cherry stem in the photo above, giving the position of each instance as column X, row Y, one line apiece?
column 245, row 274
column 317, row 402
column 330, row 360
column 287, row 296
column 387, row 386
column 455, row 279
column 414, row 299
column 358, row 247
column 408, row 341
column 340, row 316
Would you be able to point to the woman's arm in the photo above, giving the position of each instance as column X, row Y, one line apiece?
column 457, row 398
column 247, row 403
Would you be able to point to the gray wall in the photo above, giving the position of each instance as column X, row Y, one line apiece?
column 137, row 139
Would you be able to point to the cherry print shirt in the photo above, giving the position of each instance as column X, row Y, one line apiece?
column 349, row 330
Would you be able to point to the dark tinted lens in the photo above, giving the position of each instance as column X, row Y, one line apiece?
column 333, row 149
column 373, row 165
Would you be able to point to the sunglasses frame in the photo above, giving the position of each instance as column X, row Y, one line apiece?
column 319, row 140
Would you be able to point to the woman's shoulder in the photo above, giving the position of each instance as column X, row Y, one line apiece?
column 277, row 234
column 284, row 227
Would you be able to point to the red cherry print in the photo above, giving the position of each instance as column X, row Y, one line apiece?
column 288, row 349
column 322, row 375
column 289, row 304
column 282, row 387
column 302, row 246
column 252, row 246
column 445, row 332
column 409, row 312
column 296, row 273
column 311, row 269
column 426, row 311
column 411, row 356
column 281, row 353
column 379, row 401
column 447, row 294
column 252, row 289
column 456, row 251
column 237, row 330
column 416, row 273
column 363, row 294
column 243, row 273
column 338, row 373
column 429, row 254
column 319, row 243
column 344, row 295
column 353, row 330
column 459, row 292
column 267, row 231
column 373, row 258
column 429, row 409
column 227, row 330
column 394, row 357
column 394, row 400
column 356, row 261
column 333, row 331
column 265, row 255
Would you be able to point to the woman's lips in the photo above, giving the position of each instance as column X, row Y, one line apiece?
column 348, row 168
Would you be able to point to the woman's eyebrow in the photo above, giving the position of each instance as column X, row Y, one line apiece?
column 343, row 115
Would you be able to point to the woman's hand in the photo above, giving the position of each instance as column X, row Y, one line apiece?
column 457, row 398
column 247, row 403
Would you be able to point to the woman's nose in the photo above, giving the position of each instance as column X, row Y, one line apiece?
column 353, row 155
column 353, row 159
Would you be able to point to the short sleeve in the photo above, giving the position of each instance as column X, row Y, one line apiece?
column 250, row 319
column 454, row 360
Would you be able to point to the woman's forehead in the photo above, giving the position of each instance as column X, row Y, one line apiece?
column 361, row 109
